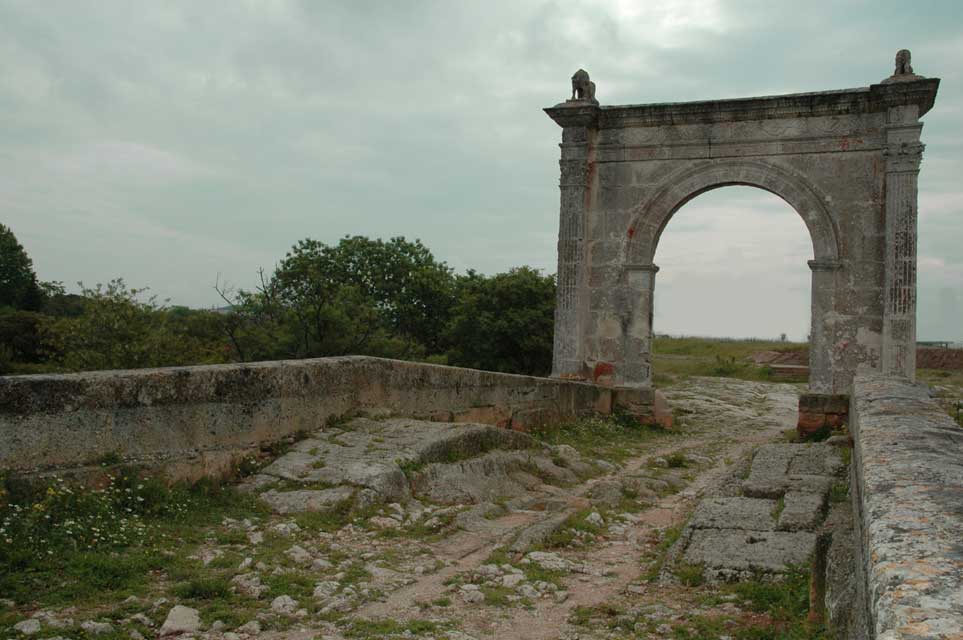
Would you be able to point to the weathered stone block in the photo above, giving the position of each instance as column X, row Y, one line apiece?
column 750, row 514
column 801, row 511
column 738, row 553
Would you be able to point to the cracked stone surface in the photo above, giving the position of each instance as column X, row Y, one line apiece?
column 446, row 463
column 734, row 553
column 771, row 527
column 753, row 514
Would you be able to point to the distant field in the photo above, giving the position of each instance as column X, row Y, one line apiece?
column 674, row 358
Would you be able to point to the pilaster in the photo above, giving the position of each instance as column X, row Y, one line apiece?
column 577, row 174
column 903, row 153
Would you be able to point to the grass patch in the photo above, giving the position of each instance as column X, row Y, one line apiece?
column 381, row 628
column 839, row 492
column 108, row 459
column 203, row 589
column 614, row 438
column 327, row 521
column 674, row 358
column 779, row 508
column 290, row 583
column 497, row 596
column 583, row 616
column 676, row 460
column 690, row 575
column 61, row 544
column 669, row 537
column 567, row 533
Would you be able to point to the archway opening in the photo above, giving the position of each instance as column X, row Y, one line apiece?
column 733, row 281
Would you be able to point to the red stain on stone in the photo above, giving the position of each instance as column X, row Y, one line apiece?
column 602, row 369
column 631, row 231
column 844, row 144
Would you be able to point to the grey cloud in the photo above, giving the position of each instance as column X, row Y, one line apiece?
column 235, row 128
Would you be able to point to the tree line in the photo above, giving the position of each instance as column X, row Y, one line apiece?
column 361, row 296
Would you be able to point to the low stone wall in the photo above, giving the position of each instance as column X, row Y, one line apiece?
column 907, row 489
column 197, row 421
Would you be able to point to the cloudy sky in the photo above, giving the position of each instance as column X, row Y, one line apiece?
column 176, row 142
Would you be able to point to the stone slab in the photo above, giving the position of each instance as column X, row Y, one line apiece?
column 302, row 500
column 777, row 487
column 746, row 551
column 734, row 513
column 815, row 460
column 801, row 511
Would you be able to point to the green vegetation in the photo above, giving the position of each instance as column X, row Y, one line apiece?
column 503, row 323
column 614, row 437
column 839, row 492
column 383, row 628
column 674, row 358
column 361, row 296
column 690, row 575
column 676, row 460
column 19, row 287
column 776, row 611
column 779, row 508
column 67, row 545
column 202, row 589
column 566, row 534
column 669, row 537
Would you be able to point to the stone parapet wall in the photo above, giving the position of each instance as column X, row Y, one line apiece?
column 908, row 500
column 197, row 421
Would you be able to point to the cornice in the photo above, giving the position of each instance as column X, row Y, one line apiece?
column 872, row 99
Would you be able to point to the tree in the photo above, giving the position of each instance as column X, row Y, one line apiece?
column 504, row 322
column 411, row 290
column 119, row 330
column 19, row 288
column 360, row 296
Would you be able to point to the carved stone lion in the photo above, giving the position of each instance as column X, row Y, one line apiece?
column 903, row 65
column 583, row 89
column 904, row 70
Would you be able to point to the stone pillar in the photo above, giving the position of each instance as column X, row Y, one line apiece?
column 820, row 338
column 903, row 152
column 637, row 367
column 576, row 184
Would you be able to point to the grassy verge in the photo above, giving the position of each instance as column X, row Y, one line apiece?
column 93, row 548
column 767, row 611
column 614, row 438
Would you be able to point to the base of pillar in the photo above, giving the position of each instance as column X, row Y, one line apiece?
column 820, row 413
column 645, row 404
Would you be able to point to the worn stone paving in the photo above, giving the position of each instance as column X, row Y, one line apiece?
column 474, row 532
column 772, row 524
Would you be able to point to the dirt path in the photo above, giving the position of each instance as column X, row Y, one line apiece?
column 728, row 420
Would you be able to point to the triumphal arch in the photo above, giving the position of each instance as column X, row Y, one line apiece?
column 847, row 161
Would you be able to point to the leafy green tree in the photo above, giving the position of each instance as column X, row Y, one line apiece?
column 119, row 330
column 412, row 291
column 20, row 333
column 504, row 322
column 19, row 288
column 361, row 296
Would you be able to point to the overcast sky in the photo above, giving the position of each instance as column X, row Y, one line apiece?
column 173, row 142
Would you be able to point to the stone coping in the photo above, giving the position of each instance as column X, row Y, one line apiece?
column 908, row 500
column 197, row 420
column 875, row 98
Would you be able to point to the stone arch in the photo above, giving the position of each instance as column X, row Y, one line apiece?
column 846, row 161
column 649, row 220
